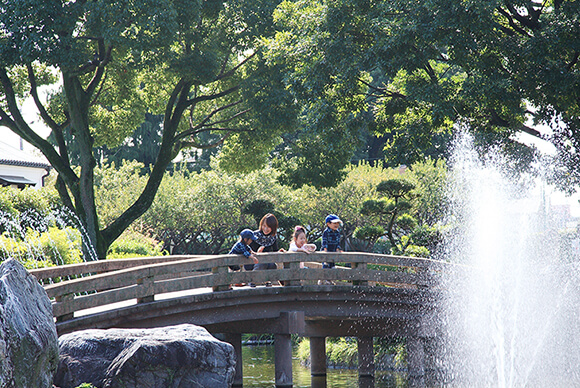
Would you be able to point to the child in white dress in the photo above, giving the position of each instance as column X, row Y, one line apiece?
column 299, row 242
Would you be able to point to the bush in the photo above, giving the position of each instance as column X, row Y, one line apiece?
column 26, row 209
column 342, row 351
column 133, row 244
column 37, row 249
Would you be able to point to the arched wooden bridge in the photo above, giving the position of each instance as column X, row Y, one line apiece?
column 372, row 296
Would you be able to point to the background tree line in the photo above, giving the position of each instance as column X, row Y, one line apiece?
column 203, row 212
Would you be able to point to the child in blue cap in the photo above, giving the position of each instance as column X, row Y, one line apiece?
column 242, row 247
column 330, row 240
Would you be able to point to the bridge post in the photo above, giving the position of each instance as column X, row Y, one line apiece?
column 63, row 299
column 235, row 339
column 416, row 361
column 317, row 356
column 295, row 266
column 366, row 357
column 283, row 360
column 148, row 291
column 220, row 270
column 359, row 266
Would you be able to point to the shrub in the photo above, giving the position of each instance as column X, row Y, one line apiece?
column 30, row 208
column 342, row 351
column 133, row 244
column 37, row 249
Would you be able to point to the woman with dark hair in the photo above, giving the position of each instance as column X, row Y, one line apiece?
column 266, row 241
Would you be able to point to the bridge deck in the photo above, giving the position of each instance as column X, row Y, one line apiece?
column 378, row 286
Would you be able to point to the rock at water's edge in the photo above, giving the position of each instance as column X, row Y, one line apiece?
column 167, row 357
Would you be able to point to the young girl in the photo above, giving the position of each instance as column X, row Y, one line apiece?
column 299, row 242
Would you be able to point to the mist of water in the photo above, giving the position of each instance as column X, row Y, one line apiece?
column 28, row 238
column 511, row 305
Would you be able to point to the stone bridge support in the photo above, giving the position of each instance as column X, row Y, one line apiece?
column 366, row 357
column 416, row 361
column 283, row 360
column 318, row 356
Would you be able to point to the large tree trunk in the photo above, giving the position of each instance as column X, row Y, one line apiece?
column 83, row 191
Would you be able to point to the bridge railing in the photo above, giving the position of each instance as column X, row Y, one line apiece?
column 101, row 283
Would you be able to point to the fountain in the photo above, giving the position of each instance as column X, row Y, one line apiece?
column 54, row 238
column 510, row 306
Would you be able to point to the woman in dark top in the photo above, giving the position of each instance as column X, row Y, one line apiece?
column 266, row 240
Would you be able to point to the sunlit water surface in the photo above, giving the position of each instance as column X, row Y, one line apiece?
column 259, row 372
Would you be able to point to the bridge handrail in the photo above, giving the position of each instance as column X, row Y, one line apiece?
column 156, row 277
column 101, row 266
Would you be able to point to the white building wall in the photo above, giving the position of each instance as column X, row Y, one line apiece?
column 34, row 174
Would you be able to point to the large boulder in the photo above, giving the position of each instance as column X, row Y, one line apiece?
column 28, row 339
column 167, row 357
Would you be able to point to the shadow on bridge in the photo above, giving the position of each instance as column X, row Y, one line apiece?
column 372, row 296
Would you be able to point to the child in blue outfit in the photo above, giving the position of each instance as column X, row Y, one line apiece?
column 242, row 247
column 331, row 239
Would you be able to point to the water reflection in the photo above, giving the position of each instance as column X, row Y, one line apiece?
column 259, row 372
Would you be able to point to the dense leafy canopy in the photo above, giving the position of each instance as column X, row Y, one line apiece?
column 195, row 62
column 412, row 70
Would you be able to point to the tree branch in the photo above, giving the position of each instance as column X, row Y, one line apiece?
column 235, row 68
column 573, row 62
column 382, row 91
column 18, row 125
column 103, row 59
column 210, row 115
column 512, row 23
column 34, row 93
column 500, row 122
column 209, row 97
column 531, row 23
column 194, row 144
column 184, row 134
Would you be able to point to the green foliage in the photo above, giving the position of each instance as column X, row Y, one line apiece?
column 117, row 188
column 411, row 212
column 368, row 234
column 258, row 208
column 342, row 351
column 38, row 249
column 414, row 251
column 197, row 64
column 132, row 244
column 391, row 346
column 203, row 212
column 26, row 208
column 425, row 67
column 395, row 188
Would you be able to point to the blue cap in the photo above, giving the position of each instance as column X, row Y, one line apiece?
column 332, row 218
column 247, row 233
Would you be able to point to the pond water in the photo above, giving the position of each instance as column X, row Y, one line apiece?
column 259, row 372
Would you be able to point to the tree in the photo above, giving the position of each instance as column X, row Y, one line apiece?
column 141, row 146
column 393, row 211
column 194, row 61
column 420, row 68
column 409, row 210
